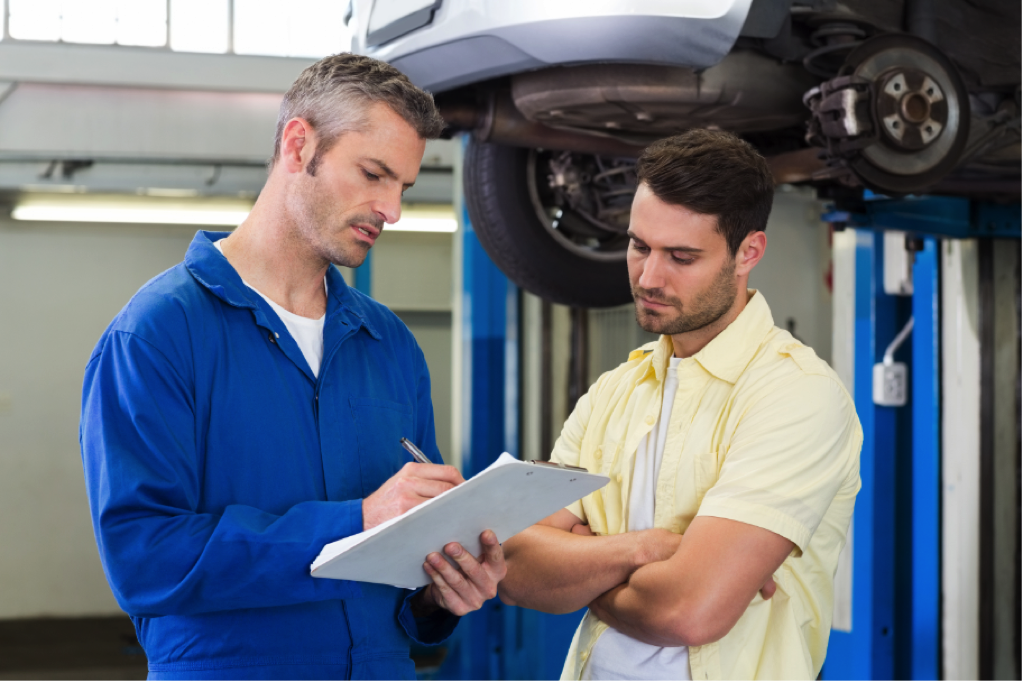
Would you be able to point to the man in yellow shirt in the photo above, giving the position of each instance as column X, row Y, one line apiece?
column 732, row 452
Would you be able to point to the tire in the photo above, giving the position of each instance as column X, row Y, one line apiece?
column 504, row 215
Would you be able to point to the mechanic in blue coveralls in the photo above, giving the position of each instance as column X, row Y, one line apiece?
column 245, row 408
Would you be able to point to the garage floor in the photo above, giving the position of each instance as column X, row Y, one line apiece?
column 82, row 648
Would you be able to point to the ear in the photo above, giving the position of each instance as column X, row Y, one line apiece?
column 297, row 145
column 750, row 252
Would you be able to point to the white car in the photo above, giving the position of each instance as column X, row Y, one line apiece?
column 561, row 95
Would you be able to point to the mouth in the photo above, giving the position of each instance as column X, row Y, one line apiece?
column 652, row 304
column 366, row 233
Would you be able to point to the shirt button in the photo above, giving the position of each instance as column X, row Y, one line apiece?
column 650, row 420
column 598, row 453
column 272, row 339
column 619, row 478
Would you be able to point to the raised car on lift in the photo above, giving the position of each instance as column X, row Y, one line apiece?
column 897, row 96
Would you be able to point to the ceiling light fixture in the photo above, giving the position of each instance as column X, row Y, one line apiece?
column 425, row 218
column 133, row 210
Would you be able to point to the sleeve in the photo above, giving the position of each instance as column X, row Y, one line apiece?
column 790, row 455
column 568, row 448
column 161, row 556
column 431, row 630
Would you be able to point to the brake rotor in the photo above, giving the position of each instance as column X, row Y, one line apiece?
column 920, row 106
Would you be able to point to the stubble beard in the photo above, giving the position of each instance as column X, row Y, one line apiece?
column 705, row 309
column 316, row 224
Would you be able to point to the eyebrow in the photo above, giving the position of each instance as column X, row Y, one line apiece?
column 388, row 172
column 683, row 249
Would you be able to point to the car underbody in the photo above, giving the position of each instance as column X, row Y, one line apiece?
column 898, row 97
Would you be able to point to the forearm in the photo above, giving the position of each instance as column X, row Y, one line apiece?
column 558, row 572
column 646, row 611
column 697, row 595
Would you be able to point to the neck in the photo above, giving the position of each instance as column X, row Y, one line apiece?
column 268, row 252
column 689, row 343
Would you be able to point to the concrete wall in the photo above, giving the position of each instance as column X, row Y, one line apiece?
column 60, row 285
column 793, row 273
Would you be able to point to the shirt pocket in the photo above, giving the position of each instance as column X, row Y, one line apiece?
column 707, row 472
column 379, row 427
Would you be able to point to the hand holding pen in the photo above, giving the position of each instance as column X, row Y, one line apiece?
column 408, row 488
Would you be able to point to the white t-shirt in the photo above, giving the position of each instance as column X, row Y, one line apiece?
column 308, row 333
column 615, row 655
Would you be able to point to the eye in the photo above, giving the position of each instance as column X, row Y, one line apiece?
column 370, row 176
column 683, row 258
column 641, row 248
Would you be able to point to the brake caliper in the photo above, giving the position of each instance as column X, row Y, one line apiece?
column 842, row 122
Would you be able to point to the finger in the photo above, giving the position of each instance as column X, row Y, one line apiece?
column 426, row 489
column 480, row 576
column 459, row 595
column 768, row 589
column 443, row 595
column 432, row 471
column 493, row 554
column 472, row 584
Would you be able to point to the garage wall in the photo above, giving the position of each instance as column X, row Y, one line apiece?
column 793, row 274
column 60, row 285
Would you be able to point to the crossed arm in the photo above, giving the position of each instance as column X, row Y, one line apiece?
column 653, row 585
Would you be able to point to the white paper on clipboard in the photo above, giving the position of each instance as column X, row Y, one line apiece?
column 507, row 497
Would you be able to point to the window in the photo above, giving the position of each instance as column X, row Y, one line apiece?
column 286, row 28
column 107, row 22
column 199, row 25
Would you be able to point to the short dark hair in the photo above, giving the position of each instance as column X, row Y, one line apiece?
column 714, row 173
column 335, row 93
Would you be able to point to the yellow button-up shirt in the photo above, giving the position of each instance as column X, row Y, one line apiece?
column 761, row 432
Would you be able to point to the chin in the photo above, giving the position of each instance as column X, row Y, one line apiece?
column 651, row 322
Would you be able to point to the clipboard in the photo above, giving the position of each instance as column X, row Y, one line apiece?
column 506, row 497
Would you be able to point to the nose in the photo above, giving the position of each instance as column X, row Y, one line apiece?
column 652, row 276
column 389, row 207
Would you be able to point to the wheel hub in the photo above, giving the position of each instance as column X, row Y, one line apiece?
column 583, row 201
column 911, row 108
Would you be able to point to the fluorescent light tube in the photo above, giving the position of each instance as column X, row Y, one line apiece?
column 108, row 209
column 411, row 224
column 135, row 215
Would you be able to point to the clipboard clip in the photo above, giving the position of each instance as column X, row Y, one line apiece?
column 560, row 465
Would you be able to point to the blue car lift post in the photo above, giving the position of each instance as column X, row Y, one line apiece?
column 896, row 560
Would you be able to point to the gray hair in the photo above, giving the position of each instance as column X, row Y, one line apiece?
column 335, row 94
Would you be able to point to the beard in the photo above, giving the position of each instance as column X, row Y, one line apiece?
column 706, row 307
column 316, row 217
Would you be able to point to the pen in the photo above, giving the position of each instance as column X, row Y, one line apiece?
column 414, row 451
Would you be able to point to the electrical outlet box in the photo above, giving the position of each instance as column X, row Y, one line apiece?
column 890, row 384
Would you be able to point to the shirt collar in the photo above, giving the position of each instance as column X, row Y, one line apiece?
column 727, row 355
column 211, row 269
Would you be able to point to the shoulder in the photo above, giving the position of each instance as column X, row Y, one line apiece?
column 783, row 361
column 169, row 307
